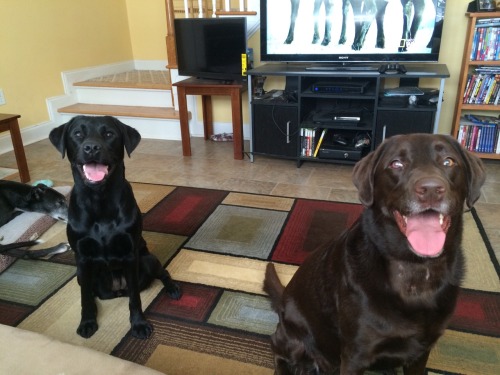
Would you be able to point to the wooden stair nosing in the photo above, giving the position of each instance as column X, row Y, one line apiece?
column 122, row 110
column 125, row 85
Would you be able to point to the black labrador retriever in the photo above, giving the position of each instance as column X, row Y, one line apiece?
column 382, row 294
column 104, row 221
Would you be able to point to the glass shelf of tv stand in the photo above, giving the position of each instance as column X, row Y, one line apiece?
column 362, row 126
column 369, row 94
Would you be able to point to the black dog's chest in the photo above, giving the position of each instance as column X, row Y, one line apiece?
column 104, row 240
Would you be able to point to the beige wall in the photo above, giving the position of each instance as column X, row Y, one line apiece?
column 148, row 28
column 451, row 54
column 42, row 38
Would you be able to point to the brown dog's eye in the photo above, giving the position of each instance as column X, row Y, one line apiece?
column 396, row 164
column 449, row 162
column 108, row 134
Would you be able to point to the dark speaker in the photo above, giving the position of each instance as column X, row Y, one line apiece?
column 391, row 123
column 275, row 130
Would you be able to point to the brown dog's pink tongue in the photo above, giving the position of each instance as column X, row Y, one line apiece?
column 425, row 234
column 95, row 172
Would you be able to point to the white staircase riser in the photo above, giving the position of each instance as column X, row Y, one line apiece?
column 147, row 127
column 120, row 96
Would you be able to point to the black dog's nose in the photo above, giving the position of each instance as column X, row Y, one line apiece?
column 429, row 189
column 91, row 148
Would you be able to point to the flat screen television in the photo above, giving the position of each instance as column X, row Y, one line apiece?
column 210, row 47
column 355, row 30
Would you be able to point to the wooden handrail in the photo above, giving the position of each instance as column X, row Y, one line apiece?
column 170, row 37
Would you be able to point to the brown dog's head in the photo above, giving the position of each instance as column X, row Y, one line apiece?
column 94, row 145
column 422, row 182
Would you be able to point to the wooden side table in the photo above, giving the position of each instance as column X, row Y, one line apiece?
column 10, row 123
column 207, row 88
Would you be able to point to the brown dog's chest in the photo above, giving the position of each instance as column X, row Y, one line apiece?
column 416, row 283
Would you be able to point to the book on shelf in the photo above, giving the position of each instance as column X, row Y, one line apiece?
column 308, row 137
column 320, row 141
column 481, row 89
column 479, row 133
column 485, row 42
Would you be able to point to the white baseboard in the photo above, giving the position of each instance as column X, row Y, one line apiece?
column 29, row 135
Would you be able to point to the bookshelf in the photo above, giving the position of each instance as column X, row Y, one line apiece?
column 476, row 121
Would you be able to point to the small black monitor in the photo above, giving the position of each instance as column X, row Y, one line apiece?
column 211, row 47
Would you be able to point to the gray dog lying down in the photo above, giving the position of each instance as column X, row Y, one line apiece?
column 16, row 197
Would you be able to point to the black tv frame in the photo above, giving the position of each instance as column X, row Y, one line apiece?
column 351, row 56
column 188, row 46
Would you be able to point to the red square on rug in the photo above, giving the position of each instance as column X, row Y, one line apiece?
column 196, row 303
column 183, row 211
column 311, row 224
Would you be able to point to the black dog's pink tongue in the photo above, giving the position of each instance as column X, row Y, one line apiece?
column 425, row 234
column 95, row 172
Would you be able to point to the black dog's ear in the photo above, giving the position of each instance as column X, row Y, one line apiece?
column 58, row 138
column 36, row 192
column 131, row 137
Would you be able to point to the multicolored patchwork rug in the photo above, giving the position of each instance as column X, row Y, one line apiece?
column 217, row 244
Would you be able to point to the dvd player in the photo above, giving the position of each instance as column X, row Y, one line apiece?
column 336, row 116
column 340, row 152
column 340, row 87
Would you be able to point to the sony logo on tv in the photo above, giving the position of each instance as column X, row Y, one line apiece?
column 343, row 57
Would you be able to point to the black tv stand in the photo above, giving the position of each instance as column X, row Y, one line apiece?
column 338, row 104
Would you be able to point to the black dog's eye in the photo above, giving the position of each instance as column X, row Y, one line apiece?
column 108, row 134
column 396, row 164
column 78, row 134
column 449, row 162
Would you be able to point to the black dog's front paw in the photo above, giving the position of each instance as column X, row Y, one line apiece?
column 142, row 329
column 87, row 328
column 173, row 290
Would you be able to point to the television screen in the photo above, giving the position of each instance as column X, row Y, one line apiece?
column 210, row 47
column 344, row 31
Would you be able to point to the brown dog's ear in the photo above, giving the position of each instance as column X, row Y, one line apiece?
column 362, row 177
column 363, row 174
column 57, row 137
column 131, row 137
column 476, row 176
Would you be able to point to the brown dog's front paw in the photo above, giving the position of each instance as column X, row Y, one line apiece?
column 87, row 328
column 142, row 330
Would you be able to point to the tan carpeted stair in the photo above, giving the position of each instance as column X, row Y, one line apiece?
column 135, row 79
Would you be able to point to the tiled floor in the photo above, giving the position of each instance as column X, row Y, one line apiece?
column 212, row 166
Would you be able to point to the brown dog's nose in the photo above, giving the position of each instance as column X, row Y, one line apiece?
column 429, row 189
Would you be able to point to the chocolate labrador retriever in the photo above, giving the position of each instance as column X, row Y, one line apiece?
column 381, row 295
column 104, row 221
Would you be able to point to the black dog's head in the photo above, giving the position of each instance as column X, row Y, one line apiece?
column 94, row 145
column 420, row 182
